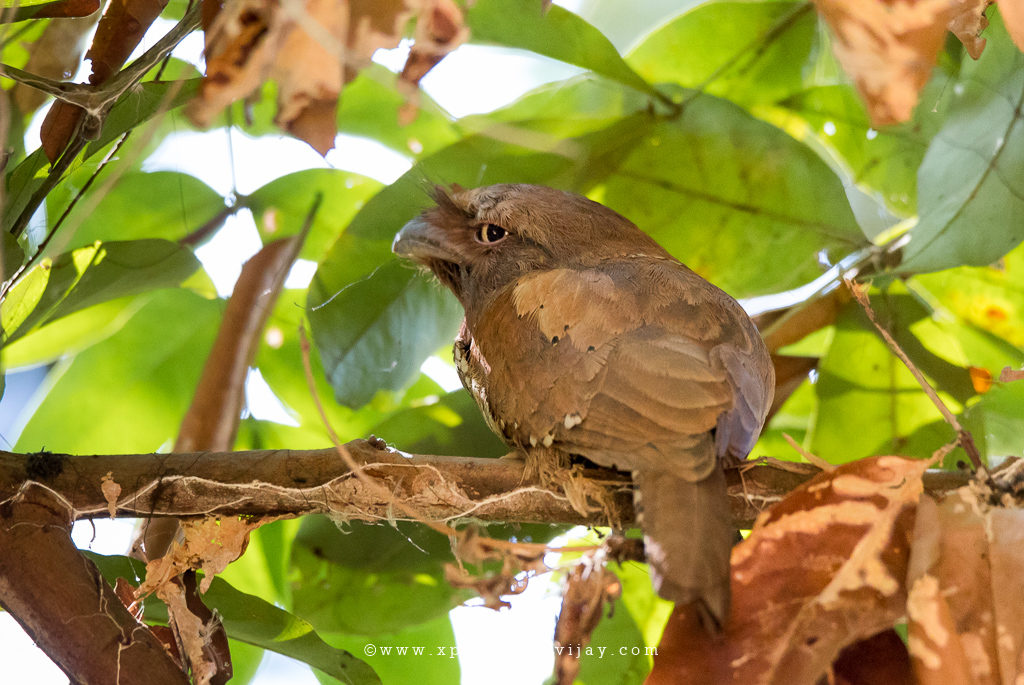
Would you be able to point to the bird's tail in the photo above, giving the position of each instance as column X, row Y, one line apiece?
column 688, row 536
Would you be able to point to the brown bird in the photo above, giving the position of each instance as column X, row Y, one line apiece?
column 583, row 335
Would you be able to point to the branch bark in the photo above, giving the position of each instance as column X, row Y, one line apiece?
column 61, row 600
column 297, row 482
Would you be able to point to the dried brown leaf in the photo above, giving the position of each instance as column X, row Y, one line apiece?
column 1006, row 535
column 1012, row 12
column 948, row 548
column 440, row 29
column 209, row 544
column 588, row 587
column 122, row 27
column 491, row 587
column 311, row 48
column 111, row 491
column 888, row 48
column 967, row 565
column 879, row 660
column 821, row 570
column 190, row 632
column 308, row 70
column 968, row 24
column 241, row 41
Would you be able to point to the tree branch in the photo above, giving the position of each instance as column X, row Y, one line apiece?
column 297, row 482
column 61, row 600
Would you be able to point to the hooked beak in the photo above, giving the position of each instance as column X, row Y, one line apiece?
column 421, row 241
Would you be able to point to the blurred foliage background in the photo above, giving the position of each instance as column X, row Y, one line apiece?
column 727, row 131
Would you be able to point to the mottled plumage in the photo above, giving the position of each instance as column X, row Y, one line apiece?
column 583, row 335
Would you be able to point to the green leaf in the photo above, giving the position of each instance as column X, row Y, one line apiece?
column 372, row 106
column 281, row 206
column 91, row 275
column 933, row 349
column 739, row 201
column 868, row 402
column 375, row 334
column 971, row 182
column 70, row 334
column 996, row 420
column 884, row 161
column 794, row 418
column 555, row 33
column 376, row 548
column 451, row 425
column 128, row 393
column 393, row 656
column 279, row 360
column 748, row 52
column 160, row 204
column 988, row 298
column 245, row 661
column 563, row 109
column 263, row 569
column 12, row 256
column 22, row 182
column 253, row 620
column 344, row 599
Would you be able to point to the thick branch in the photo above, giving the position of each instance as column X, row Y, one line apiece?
column 293, row 482
column 62, row 601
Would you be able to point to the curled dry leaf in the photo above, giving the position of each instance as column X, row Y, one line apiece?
column 589, row 586
column 209, row 544
column 966, row 618
column 821, row 570
column 968, row 23
column 519, row 560
column 440, row 30
column 491, row 587
column 111, row 491
column 311, row 48
column 193, row 633
column 888, row 47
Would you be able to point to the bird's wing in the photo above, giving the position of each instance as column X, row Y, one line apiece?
column 631, row 364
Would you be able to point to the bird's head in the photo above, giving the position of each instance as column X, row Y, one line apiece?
column 479, row 241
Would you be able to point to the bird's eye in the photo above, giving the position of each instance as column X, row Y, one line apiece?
column 490, row 233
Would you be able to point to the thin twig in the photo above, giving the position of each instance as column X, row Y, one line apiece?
column 809, row 456
column 96, row 100
column 964, row 437
column 203, row 232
